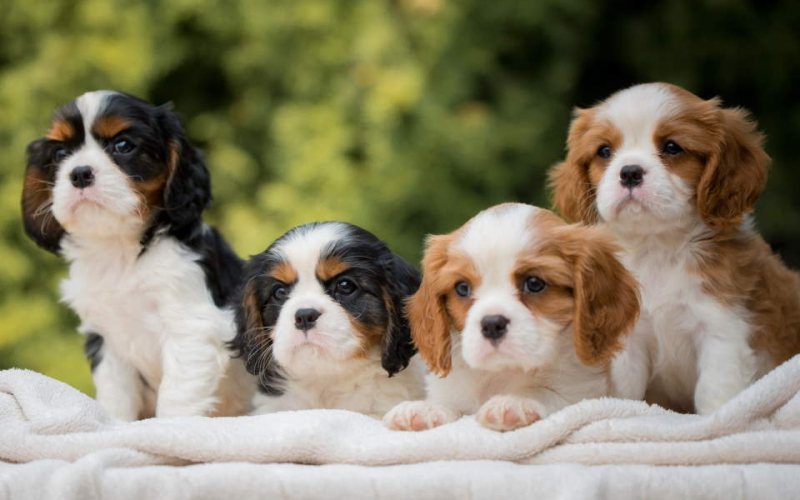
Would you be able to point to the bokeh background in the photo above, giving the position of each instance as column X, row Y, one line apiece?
column 403, row 116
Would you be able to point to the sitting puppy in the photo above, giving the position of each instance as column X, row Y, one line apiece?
column 321, row 322
column 521, row 314
column 673, row 176
column 117, row 190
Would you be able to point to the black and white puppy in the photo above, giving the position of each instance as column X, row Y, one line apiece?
column 117, row 190
column 322, row 324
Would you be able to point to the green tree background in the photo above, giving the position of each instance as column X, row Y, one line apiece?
column 403, row 116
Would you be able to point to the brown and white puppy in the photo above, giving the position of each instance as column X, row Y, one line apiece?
column 321, row 322
column 520, row 315
column 673, row 177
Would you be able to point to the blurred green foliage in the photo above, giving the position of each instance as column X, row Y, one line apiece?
column 403, row 116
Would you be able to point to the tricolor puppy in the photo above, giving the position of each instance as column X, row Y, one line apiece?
column 118, row 191
column 321, row 322
column 520, row 315
column 673, row 177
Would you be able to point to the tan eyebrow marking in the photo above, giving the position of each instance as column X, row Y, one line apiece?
column 284, row 272
column 61, row 130
column 330, row 267
column 109, row 126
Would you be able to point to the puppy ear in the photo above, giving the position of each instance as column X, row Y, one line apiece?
column 606, row 294
column 573, row 195
column 430, row 325
column 398, row 347
column 188, row 189
column 37, row 198
column 735, row 175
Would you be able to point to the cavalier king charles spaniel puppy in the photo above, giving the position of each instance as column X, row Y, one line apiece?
column 321, row 322
column 674, row 178
column 519, row 314
column 117, row 190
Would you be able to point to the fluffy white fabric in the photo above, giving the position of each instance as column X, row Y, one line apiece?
column 60, row 444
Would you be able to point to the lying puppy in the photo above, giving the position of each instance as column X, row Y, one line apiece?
column 520, row 314
column 321, row 322
column 673, row 177
column 118, row 191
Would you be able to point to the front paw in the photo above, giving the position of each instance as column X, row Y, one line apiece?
column 418, row 416
column 506, row 413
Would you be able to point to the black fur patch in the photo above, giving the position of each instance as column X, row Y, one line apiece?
column 93, row 348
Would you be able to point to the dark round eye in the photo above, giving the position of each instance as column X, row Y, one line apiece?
column 345, row 286
column 463, row 289
column 280, row 293
column 60, row 154
column 534, row 285
column 671, row 148
column 604, row 152
column 123, row 147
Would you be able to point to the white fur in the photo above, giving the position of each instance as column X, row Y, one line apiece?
column 163, row 336
column 688, row 350
column 532, row 372
column 324, row 366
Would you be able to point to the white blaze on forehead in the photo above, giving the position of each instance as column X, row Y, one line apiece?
column 90, row 105
column 494, row 239
column 303, row 248
column 637, row 111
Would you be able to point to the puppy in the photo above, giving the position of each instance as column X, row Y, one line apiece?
column 321, row 322
column 673, row 177
column 520, row 315
column 118, row 191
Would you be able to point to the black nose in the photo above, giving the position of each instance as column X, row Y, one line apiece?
column 305, row 319
column 631, row 175
column 81, row 177
column 494, row 327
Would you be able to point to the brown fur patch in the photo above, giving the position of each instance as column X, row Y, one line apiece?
column 61, row 130
column 111, row 125
column 572, row 181
column 330, row 267
column 741, row 270
column 606, row 295
column 427, row 313
column 284, row 272
column 37, row 194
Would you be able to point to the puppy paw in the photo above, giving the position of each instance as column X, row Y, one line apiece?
column 506, row 413
column 418, row 416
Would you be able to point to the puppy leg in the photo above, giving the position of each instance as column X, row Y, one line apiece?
column 630, row 368
column 418, row 416
column 192, row 370
column 726, row 365
column 120, row 389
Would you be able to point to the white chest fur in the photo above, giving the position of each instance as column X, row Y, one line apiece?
column 156, row 315
column 684, row 334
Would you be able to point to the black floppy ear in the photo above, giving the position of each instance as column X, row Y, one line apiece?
column 398, row 346
column 188, row 189
column 252, row 342
column 37, row 198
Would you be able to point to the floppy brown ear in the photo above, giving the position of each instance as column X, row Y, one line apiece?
column 606, row 295
column 573, row 196
column 37, row 198
column 735, row 175
column 427, row 314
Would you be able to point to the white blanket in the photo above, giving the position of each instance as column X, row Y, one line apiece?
column 58, row 443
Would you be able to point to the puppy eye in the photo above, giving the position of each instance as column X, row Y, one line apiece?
column 463, row 289
column 604, row 152
column 345, row 287
column 123, row 147
column 671, row 148
column 280, row 293
column 534, row 285
column 59, row 154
